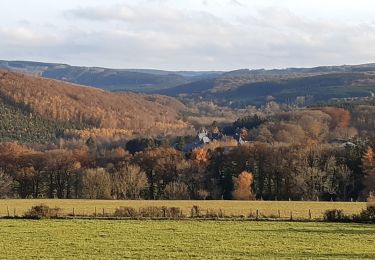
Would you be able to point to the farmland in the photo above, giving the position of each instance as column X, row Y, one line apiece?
column 135, row 239
column 299, row 209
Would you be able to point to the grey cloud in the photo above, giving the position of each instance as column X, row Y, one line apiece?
column 158, row 36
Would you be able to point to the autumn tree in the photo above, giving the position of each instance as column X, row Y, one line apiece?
column 368, row 167
column 96, row 184
column 340, row 117
column 162, row 166
column 242, row 186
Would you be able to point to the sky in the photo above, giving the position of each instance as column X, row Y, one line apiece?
column 189, row 34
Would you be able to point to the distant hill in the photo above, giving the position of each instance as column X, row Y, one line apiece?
column 140, row 80
column 237, row 88
column 76, row 105
column 246, row 87
column 313, row 89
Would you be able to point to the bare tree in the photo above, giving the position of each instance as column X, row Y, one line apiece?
column 131, row 181
column 5, row 184
column 176, row 191
column 96, row 184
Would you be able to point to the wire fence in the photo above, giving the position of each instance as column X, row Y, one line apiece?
column 159, row 212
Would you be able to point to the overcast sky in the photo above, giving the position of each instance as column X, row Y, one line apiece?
column 189, row 34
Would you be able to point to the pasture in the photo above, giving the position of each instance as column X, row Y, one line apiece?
column 299, row 209
column 168, row 239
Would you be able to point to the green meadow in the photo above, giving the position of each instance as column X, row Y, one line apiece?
column 144, row 239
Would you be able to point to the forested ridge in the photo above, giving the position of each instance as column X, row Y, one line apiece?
column 63, row 102
column 315, row 154
column 60, row 140
column 27, row 127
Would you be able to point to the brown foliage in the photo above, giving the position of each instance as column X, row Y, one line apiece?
column 242, row 186
column 340, row 117
column 58, row 100
column 368, row 166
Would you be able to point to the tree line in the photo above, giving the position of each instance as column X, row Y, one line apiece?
column 220, row 170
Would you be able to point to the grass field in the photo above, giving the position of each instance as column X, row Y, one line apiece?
column 299, row 209
column 137, row 239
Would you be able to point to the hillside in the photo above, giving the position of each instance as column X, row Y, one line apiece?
column 236, row 88
column 313, row 89
column 240, row 90
column 26, row 127
column 63, row 102
column 140, row 80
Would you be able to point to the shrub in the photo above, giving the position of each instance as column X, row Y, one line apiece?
column 151, row 212
column 195, row 211
column 161, row 212
column 42, row 211
column 172, row 212
column 367, row 215
column 213, row 213
column 335, row 215
column 126, row 212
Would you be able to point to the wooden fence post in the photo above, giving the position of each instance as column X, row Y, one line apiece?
column 8, row 211
column 278, row 211
column 291, row 215
column 310, row 214
column 95, row 212
column 257, row 214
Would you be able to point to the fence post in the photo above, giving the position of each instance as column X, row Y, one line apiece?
column 95, row 212
column 257, row 214
column 291, row 215
column 103, row 212
column 73, row 213
column 278, row 211
column 310, row 214
column 14, row 212
column 8, row 211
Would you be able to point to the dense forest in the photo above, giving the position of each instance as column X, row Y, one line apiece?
column 59, row 140
column 78, row 105
column 314, row 154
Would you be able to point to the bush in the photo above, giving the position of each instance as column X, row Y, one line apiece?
column 126, row 212
column 42, row 211
column 367, row 215
column 335, row 215
column 195, row 211
column 151, row 212
column 213, row 213
column 161, row 212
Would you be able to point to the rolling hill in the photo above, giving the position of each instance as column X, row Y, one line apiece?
column 240, row 90
column 69, row 104
column 237, row 88
column 139, row 80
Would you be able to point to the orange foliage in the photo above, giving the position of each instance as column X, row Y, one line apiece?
column 368, row 158
column 340, row 117
column 242, row 186
column 97, row 133
column 52, row 99
column 201, row 154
